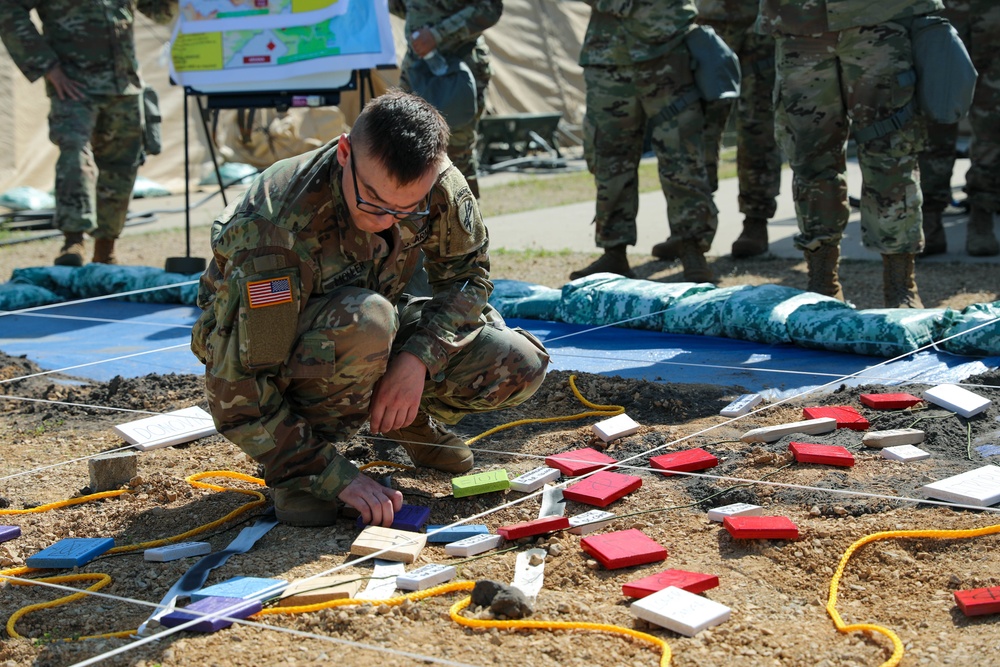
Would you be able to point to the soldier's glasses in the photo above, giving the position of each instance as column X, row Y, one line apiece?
column 375, row 209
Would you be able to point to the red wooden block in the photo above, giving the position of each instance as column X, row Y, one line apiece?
column 687, row 460
column 692, row 582
column 579, row 461
column 835, row 455
column 761, row 528
column 623, row 548
column 979, row 601
column 548, row 524
column 602, row 488
column 890, row 401
column 846, row 416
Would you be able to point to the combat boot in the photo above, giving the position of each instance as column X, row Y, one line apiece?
column 752, row 241
column 899, row 285
column 614, row 260
column 104, row 251
column 696, row 269
column 980, row 240
column 300, row 508
column 823, row 264
column 71, row 254
column 935, row 242
column 430, row 445
column 669, row 249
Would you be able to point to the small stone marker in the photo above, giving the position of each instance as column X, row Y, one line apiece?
column 548, row 524
column 957, row 399
column 590, row 522
column 177, row 551
column 905, row 453
column 979, row 601
column 242, row 588
column 229, row 607
column 846, row 416
column 481, row 482
column 778, row 431
column 602, row 488
column 409, row 517
column 741, row 405
column 834, row 455
column 623, row 548
column 980, row 487
column 692, row 582
column 687, row 460
column 761, row 528
column 320, row 589
column 893, row 437
column 535, row 479
column 684, row 613
column 579, row 461
column 382, row 584
column 618, row 426
column 529, row 573
column 9, row 532
column 425, row 577
column 438, row 534
column 471, row 546
column 110, row 471
column 890, row 401
column 736, row 509
column 172, row 428
column 70, row 552
column 403, row 545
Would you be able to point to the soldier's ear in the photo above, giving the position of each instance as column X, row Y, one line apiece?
column 343, row 149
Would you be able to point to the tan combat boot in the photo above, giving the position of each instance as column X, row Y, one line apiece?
column 301, row 508
column 935, row 242
column 980, row 240
column 823, row 264
column 696, row 269
column 104, row 251
column 899, row 285
column 614, row 260
column 430, row 445
column 71, row 254
column 752, row 241
column 669, row 249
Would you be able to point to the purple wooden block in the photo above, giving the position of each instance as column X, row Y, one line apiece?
column 410, row 517
column 9, row 532
column 230, row 607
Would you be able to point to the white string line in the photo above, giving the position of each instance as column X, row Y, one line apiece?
column 130, row 321
column 96, row 363
column 104, row 297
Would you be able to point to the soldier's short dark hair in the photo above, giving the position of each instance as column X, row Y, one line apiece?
column 404, row 133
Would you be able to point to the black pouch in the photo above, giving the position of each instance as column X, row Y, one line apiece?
column 152, row 130
column 946, row 77
column 716, row 67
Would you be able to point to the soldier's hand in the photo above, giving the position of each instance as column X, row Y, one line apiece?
column 376, row 503
column 63, row 85
column 423, row 42
column 396, row 396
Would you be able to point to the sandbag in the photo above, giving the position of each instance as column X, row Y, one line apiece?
column 514, row 298
column 973, row 341
column 15, row 296
column 884, row 332
column 606, row 298
column 700, row 314
column 760, row 314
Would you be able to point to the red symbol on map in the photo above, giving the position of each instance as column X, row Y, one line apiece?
column 270, row 46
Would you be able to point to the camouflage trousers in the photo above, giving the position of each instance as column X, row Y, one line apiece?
column 621, row 101
column 100, row 150
column 832, row 83
column 978, row 23
column 330, row 385
column 758, row 158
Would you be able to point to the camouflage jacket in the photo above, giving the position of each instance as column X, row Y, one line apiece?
column 294, row 222
column 622, row 32
column 727, row 10
column 93, row 40
column 454, row 23
column 811, row 17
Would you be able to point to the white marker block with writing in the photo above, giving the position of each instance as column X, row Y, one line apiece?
column 957, row 399
column 741, row 405
column 473, row 545
column 778, row 431
column 171, row 428
column 678, row 610
column 171, row 552
column 736, row 509
column 425, row 577
column 617, row 427
column 529, row 573
column 980, row 487
column 589, row 522
column 893, row 437
column 535, row 479
column 382, row 585
column 905, row 453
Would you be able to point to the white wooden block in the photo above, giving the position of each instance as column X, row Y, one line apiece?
column 741, row 405
column 905, row 453
column 529, row 573
column 425, row 577
column 957, row 399
column 177, row 551
column 589, row 522
column 171, row 428
column 471, row 546
column 617, row 427
column 382, row 585
column 778, row 431
column 535, row 479
column 980, row 487
column 736, row 509
column 893, row 437
column 678, row 610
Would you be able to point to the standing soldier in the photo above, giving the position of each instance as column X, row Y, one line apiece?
column 978, row 24
column 638, row 71
column 87, row 55
column 453, row 28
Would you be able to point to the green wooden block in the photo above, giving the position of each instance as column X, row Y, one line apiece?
column 481, row 482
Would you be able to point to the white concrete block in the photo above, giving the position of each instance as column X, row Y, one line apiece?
column 535, row 479
column 905, row 453
column 778, row 431
column 425, row 577
column 741, row 405
column 171, row 552
column 980, row 487
column 589, row 522
column 678, row 610
column 617, row 427
column 893, row 437
column 473, row 545
column 957, row 399
column 736, row 509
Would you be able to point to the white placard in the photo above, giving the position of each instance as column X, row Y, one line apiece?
column 589, row 522
column 678, row 610
column 979, row 487
column 382, row 585
column 617, row 427
column 475, row 544
column 529, row 578
column 535, row 479
column 741, row 405
column 736, row 509
column 958, row 400
column 425, row 577
column 171, row 428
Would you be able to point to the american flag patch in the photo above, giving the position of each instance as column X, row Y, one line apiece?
column 269, row 292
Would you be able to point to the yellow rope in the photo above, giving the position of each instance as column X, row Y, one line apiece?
column 67, row 503
column 102, row 580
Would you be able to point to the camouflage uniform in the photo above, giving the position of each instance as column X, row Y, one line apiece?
column 458, row 28
column 288, row 381
column 99, row 137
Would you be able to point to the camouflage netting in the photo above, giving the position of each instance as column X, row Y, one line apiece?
column 40, row 286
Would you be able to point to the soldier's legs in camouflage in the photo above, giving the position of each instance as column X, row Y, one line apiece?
column 758, row 158
column 117, row 146
column 462, row 144
column 937, row 161
column 983, row 177
column 71, row 124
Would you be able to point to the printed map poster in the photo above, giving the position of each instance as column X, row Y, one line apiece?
column 253, row 45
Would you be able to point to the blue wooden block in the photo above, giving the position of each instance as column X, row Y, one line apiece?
column 409, row 517
column 455, row 533
column 9, row 532
column 243, row 588
column 229, row 607
column 70, row 552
